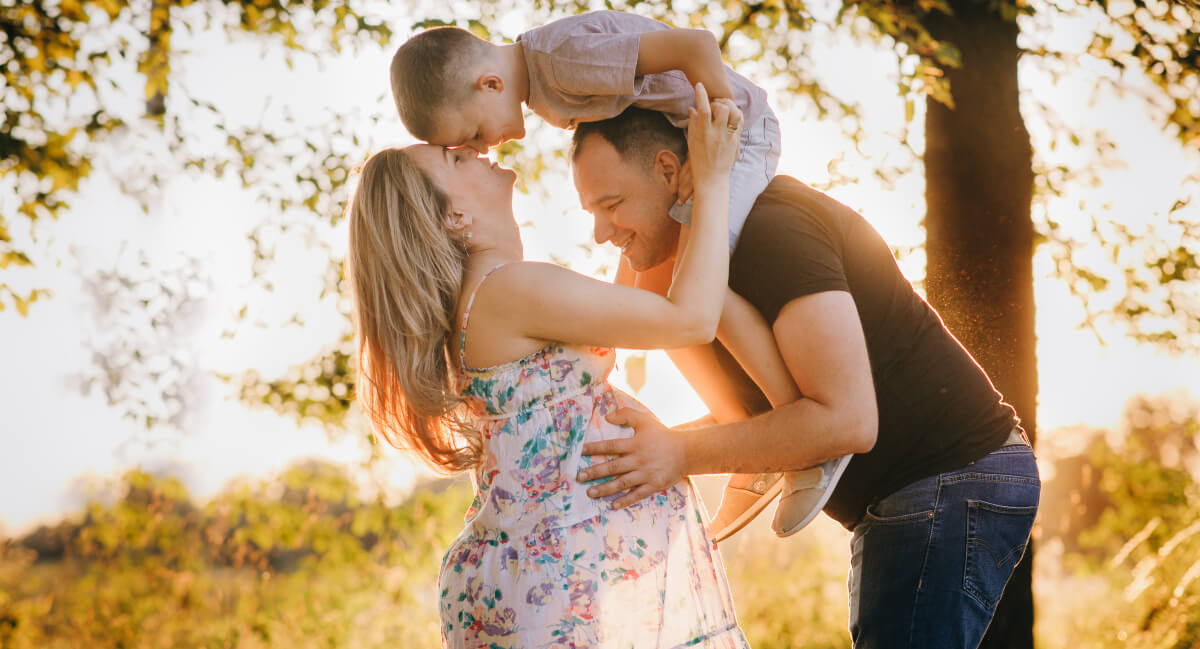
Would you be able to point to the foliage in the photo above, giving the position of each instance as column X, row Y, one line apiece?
column 308, row 560
column 1152, row 285
column 300, row 561
column 79, row 73
column 87, row 78
column 1134, row 541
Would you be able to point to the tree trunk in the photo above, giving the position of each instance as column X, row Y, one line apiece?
column 979, row 236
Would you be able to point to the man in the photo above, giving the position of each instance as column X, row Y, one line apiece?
column 942, row 493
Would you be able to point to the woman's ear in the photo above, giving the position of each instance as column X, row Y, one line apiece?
column 457, row 221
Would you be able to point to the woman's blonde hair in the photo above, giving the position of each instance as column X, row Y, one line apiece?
column 405, row 272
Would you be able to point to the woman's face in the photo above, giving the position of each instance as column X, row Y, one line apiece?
column 474, row 184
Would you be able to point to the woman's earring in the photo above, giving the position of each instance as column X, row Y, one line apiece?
column 467, row 236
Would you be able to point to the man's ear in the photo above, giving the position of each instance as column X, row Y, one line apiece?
column 675, row 174
column 489, row 81
column 684, row 194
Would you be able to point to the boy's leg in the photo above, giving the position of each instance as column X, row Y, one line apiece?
column 930, row 562
column 745, row 495
column 758, row 158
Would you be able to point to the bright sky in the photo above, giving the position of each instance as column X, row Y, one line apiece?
column 61, row 442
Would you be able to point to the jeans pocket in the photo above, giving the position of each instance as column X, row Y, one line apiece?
column 996, row 539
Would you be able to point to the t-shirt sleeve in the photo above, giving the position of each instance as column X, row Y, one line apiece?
column 786, row 251
column 596, row 64
column 594, row 53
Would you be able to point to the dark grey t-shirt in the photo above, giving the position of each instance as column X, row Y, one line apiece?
column 937, row 409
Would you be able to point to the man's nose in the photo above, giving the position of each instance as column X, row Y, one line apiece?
column 479, row 146
column 603, row 230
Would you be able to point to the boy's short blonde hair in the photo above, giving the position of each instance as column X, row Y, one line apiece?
column 430, row 71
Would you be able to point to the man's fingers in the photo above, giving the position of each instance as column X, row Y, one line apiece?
column 632, row 497
column 720, row 112
column 626, row 417
column 609, row 447
column 605, row 469
column 617, row 485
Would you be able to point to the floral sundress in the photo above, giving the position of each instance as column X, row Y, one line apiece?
column 541, row 564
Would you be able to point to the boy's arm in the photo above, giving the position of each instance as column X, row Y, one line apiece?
column 691, row 51
column 746, row 334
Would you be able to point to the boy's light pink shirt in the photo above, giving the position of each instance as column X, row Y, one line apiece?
column 582, row 69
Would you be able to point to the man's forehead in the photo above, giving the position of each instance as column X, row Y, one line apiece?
column 598, row 161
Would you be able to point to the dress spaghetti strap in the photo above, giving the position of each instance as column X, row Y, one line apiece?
column 462, row 338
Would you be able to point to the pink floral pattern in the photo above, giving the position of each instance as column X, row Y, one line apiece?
column 539, row 563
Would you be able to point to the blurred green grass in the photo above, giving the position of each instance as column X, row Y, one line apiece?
column 302, row 561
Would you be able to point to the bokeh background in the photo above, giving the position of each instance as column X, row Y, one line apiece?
column 183, row 465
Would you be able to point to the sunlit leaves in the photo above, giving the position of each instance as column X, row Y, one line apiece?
column 320, row 389
column 64, row 83
column 1162, row 41
column 143, row 362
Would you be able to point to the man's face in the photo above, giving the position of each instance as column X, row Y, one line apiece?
column 627, row 202
column 489, row 118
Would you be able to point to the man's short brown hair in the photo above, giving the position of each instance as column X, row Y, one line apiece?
column 637, row 134
column 429, row 71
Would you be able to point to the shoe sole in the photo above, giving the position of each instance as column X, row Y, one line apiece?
column 745, row 517
column 837, row 475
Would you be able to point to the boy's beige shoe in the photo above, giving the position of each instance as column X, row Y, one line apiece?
column 739, row 506
column 805, row 494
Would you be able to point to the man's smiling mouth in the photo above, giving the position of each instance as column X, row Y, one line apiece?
column 624, row 246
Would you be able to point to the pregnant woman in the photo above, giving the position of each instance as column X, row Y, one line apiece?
column 480, row 361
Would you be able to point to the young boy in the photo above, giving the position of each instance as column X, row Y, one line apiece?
column 454, row 89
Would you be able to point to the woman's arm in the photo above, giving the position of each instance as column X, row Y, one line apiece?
column 557, row 304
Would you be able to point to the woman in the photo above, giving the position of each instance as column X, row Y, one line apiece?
column 480, row 361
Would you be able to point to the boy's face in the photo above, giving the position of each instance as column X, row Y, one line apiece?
column 489, row 118
column 629, row 205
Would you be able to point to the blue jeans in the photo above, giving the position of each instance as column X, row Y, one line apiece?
column 929, row 562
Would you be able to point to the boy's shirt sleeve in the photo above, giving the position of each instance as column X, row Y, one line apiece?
column 595, row 64
column 584, row 68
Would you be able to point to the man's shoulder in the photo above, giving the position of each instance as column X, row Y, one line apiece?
column 785, row 199
column 786, row 189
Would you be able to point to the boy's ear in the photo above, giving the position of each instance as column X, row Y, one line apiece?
column 489, row 81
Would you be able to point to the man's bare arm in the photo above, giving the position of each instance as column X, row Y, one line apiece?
column 821, row 341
